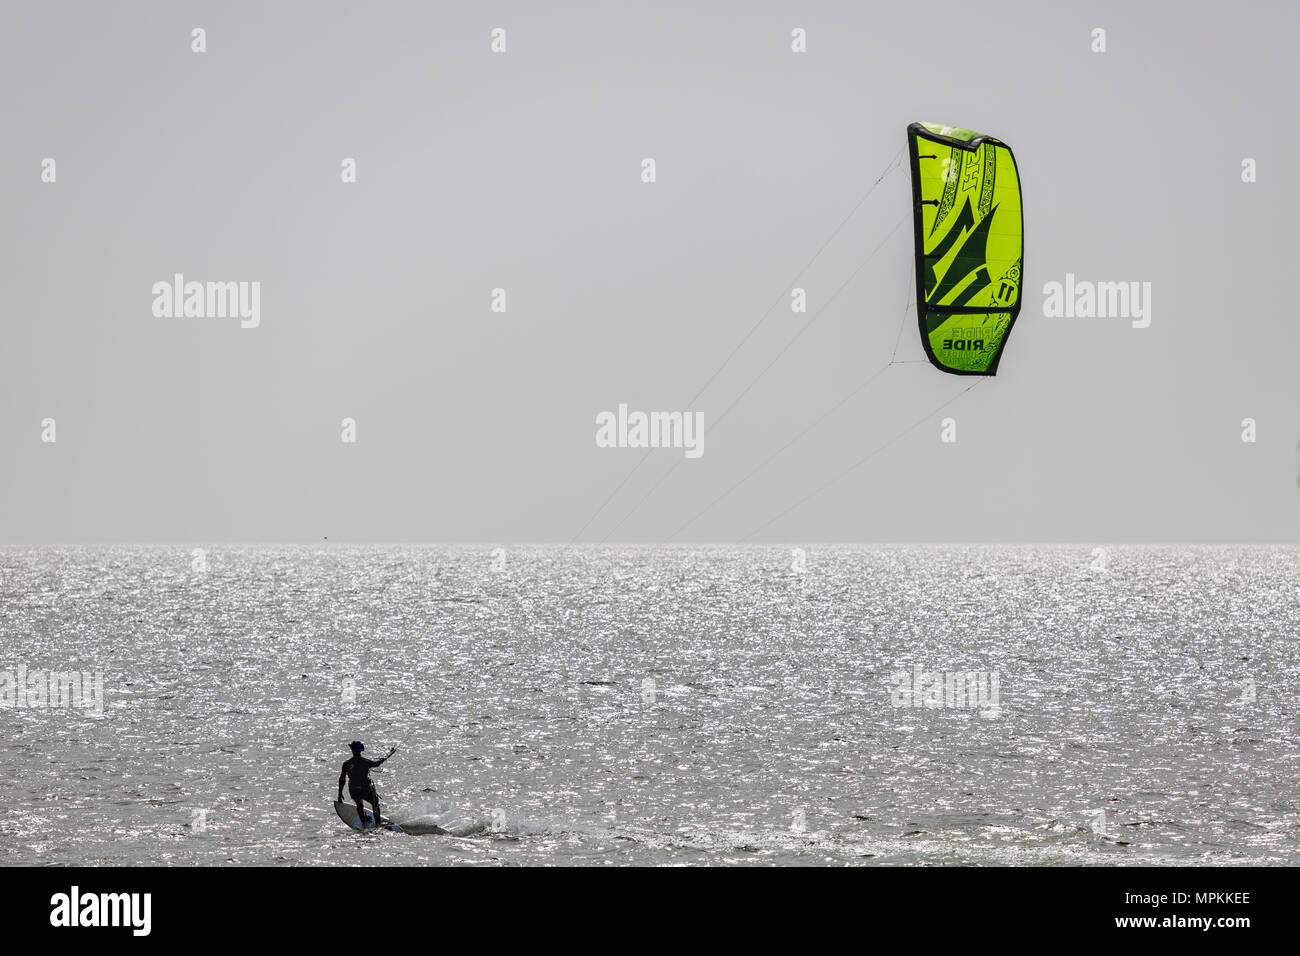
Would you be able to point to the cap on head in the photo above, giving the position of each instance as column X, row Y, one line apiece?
column 357, row 746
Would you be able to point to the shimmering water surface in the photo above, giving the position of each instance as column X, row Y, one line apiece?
column 656, row 706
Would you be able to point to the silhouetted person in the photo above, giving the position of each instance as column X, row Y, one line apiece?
column 356, row 771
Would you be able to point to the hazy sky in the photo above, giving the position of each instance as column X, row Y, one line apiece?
column 522, row 171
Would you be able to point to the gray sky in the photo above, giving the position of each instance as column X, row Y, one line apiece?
column 522, row 171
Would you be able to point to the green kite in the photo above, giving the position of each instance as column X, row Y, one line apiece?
column 969, row 245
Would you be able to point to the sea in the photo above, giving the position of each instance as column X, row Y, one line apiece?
column 877, row 706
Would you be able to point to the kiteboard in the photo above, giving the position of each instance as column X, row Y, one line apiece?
column 348, row 814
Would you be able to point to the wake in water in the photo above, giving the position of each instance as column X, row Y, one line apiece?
column 439, row 817
column 436, row 817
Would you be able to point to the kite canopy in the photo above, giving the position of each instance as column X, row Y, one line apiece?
column 969, row 245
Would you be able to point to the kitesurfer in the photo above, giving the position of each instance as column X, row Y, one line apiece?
column 356, row 771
